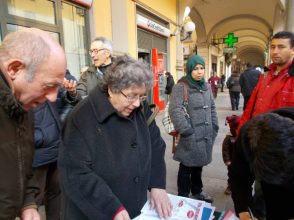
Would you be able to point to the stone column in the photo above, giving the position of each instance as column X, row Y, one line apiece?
column 290, row 16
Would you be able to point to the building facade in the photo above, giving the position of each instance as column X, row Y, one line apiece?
column 136, row 28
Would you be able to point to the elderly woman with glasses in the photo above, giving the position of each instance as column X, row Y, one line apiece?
column 110, row 157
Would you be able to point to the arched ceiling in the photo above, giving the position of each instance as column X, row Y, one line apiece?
column 251, row 21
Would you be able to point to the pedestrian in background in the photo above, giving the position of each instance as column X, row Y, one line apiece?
column 32, row 67
column 234, row 90
column 248, row 81
column 101, row 55
column 223, row 81
column 215, row 83
column 110, row 157
column 169, row 83
column 197, row 124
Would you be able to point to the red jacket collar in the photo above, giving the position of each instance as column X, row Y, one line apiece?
column 273, row 67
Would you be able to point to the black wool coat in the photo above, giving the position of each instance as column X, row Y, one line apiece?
column 17, row 187
column 108, row 161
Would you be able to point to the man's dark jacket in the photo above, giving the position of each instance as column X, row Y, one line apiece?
column 169, row 85
column 48, row 121
column 16, row 155
column 90, row 79
column 248, row 80
column 108, row 161
column 47, row 134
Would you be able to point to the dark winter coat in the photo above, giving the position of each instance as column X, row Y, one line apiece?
column 248, row 81
column 108, row 161
column 49, row 118
column 241, row 177
column 16, row 155
column 89, row 80
column 199, row 132
column 227, row 148
column 47, row 134
column 169, row 85
column 233, row 83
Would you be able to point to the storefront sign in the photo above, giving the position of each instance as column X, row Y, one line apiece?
column 230, row 50
column 87, row 3
column 152, row 26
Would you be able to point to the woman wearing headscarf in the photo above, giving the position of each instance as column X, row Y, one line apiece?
column 197, row 124
column 110, row 157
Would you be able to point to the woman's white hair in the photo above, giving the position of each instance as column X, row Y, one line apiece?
column 126, row 72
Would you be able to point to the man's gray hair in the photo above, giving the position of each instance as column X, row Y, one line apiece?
column 26, row 46
column 126, row 72
column 107, row 44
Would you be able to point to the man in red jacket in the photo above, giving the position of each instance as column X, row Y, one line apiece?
column 275, row 89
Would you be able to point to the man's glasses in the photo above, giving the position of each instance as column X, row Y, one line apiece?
column 95, row 51
column 133, row 97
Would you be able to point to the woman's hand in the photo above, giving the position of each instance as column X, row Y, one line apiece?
column 160, row 201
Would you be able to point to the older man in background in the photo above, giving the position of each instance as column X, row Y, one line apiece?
column 32, row 66
column 101, row 55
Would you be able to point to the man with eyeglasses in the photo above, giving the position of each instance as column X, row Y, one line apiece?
column 101, row 55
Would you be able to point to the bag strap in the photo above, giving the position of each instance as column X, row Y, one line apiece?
column 153, row 115
column 185, row 92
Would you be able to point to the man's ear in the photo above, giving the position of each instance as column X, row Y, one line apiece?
column 108, row 54
column 13, row 68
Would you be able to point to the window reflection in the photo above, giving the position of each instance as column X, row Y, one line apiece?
column 0, row 36
column 75, row 43
column 40, row 10
column 13, row 27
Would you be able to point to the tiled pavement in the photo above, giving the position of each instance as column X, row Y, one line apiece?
column 215, row 174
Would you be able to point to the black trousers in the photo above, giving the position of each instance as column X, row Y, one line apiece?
column 246, row 99
column 189, row 180
column 235, row 97
column 47, row 178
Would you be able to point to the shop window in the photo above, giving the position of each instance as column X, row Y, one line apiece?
column 13, row 27
column 39, row 10
column 75, row 41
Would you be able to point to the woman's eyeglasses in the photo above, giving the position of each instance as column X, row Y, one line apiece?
column 132, row 98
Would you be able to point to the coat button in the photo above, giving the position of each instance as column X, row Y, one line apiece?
column 134, row 145
column 136, row 179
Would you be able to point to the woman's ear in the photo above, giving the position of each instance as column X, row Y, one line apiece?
column 13, row 68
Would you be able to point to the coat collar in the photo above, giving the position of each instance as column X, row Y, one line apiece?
column 100, row 104
column 102, row 107
column 8, row 101
column 184, row 80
